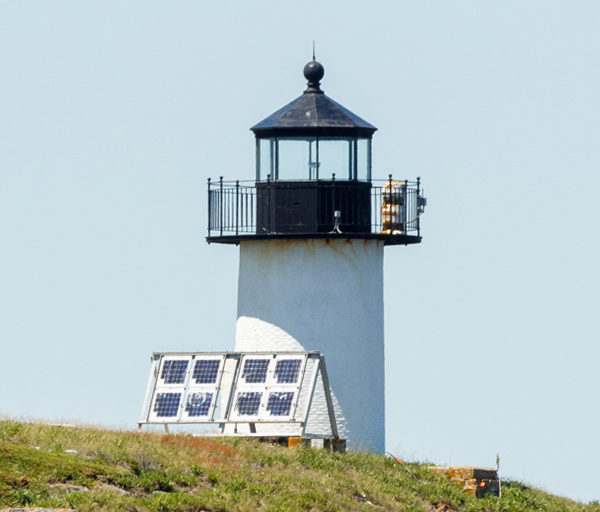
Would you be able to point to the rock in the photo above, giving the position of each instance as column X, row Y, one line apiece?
column 115, row 489
column 71, row 488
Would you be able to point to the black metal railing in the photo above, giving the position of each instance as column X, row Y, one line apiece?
column 231, row 208
column 385, row 207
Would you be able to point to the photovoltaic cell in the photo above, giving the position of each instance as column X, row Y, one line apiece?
column 247, row 404
column 255, row 370
column 287, row 370
column 173, row 372
column 280, row 404
column 198, row 404
column 167, row 404
column 206, row 371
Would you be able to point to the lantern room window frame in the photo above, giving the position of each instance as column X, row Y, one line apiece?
column 355, row 165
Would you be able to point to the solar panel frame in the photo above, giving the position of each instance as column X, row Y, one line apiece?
column 290, row 396
column 194, row 387
column 287, row 384
column 164, row 385
column 242, row 385
column 271, row 383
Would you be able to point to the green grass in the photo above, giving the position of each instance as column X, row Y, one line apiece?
column 129, row 471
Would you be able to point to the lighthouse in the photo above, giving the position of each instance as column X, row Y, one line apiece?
column 311, row 228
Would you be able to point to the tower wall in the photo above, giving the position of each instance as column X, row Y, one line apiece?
column 324, row 295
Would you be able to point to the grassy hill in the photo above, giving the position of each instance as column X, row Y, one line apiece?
column 94, row 469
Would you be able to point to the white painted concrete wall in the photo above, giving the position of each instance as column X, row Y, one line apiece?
column 324, row 295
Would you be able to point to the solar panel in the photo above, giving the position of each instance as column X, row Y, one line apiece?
column 280, row 404
column 167, row 404
column 247, row 403
column 287, row 371
column 206, row 371
column 173, row 371
column 255, row 370
column 262, row 388
column 198, row 404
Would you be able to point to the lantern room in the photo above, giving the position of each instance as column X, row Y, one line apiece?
column 313, row 138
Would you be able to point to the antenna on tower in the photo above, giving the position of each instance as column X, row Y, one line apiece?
column 313, row 49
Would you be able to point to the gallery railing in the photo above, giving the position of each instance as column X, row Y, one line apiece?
column 384, row 207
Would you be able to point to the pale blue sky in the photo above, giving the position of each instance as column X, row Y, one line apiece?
column 113, row 114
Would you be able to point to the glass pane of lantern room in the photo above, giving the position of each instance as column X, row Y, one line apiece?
column 363, row 164
column 265, row 159
column 334, row 157
column 293, row 159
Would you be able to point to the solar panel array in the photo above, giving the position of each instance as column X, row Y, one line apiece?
column 186, row 388
column 228, row 387
column 268, row 387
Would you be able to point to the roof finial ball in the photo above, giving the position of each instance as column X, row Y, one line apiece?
column 314, row 72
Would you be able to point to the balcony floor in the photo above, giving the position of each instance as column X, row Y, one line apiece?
column 387, row 239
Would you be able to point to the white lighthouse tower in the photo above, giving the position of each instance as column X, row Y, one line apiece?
column 312, row 228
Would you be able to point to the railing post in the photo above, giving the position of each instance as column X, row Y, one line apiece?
column 418, row 212
column 376, row 217
column 372, row 202
column 333, row 198
column 237, row 206
column 221, row 205
column 209, row 207
column 405, row 206
column 269, row 202
column 392, row 202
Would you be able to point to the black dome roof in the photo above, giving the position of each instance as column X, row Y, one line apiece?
column 313, row 113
